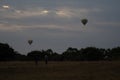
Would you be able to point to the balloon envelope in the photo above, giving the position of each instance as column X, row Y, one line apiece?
column 30, row 41
column 84, row 21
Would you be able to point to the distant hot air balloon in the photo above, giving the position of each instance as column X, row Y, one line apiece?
column 84, row 21
column 30, row 42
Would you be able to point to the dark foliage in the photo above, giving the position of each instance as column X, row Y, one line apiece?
column 71, row 54
column 6, row 52
column 114, row 54
column 91, row 54
column 35, row 55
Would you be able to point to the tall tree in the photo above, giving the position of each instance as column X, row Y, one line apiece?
column 6, row 52
column 114, row 53
column 71, row 54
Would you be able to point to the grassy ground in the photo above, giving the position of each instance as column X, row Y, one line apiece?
column 60, row 71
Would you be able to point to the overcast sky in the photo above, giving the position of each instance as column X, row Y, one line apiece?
column 56, row 24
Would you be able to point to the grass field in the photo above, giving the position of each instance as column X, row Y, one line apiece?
column 60, row 71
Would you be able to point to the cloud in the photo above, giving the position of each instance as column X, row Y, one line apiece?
column 9, row 27
column 67, row 12
column 117, row 24
column 18, row 27
column 60, row 18
column 18, row 14
column 5, row 6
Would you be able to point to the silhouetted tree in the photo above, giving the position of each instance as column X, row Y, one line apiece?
column 33, row 55
column 92, row 54
column 71, row 54
column 20, row 57
column 55, row 57
column 107, row 55
column 114, row 54
column 6, row 52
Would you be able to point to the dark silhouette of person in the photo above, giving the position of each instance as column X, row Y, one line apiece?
column 36, row 60
column 46, row 59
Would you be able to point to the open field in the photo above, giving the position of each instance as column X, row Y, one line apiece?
column 60, row 71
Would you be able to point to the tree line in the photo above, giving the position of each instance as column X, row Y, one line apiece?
column 7, row 53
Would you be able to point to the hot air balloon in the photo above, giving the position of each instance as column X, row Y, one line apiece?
column 30, row 42
column 84, row 21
